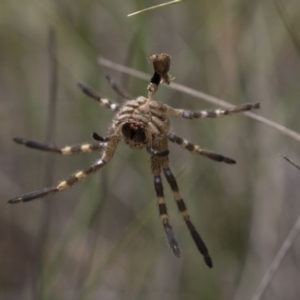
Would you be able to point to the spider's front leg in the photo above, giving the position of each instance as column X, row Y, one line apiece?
column 156, row 170
column 203, row 114
column 94, row 95
column 118, row 89
column 65, row 184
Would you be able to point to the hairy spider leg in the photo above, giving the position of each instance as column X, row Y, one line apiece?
column 80, row 148
column 183, row 210
column 196, row 149
column 67, row 183
column 203, row 114
column 171, row 239
column 67, row 150
column 100, row 138
column 118, row 89
column 102, row 101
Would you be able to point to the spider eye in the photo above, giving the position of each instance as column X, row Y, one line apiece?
column 134, row 132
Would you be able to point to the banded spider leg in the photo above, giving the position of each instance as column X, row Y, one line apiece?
column 157, row 165
column 67, row 183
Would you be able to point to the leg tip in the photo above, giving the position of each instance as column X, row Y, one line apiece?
column 14, row 200
column 208, row 261
column 256, row 105
column 177, row 251
column 18, row 140
column 229, row 161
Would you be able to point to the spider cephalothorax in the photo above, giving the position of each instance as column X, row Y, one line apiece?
column 142, row 123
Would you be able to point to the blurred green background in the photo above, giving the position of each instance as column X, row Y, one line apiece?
column 103, row 239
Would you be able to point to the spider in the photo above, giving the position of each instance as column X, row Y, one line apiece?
column 141, row 123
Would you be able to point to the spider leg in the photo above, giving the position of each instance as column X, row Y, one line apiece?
column 202, row 114
column 94, row 95
column 118, row 89
column 99, row 138
column 157, row 153
column 182, row 208
column 172, row 241
column 196, row 149
column 67, row 150
column 65, row 184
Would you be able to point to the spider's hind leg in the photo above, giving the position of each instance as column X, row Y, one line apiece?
column 172, row 241
column 182, row 208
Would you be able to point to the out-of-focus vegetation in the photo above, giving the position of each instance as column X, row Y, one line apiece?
column 102, row 239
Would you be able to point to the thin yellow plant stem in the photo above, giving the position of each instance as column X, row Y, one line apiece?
column 281, row 253
column 277, row 261
column 293, row 33
column 155, row 7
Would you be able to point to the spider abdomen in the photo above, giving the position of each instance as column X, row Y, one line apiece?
column 140, row 121
column 134, row 134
